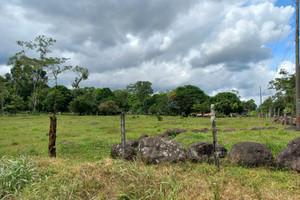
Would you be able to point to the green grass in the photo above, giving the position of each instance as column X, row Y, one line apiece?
column 83, row 168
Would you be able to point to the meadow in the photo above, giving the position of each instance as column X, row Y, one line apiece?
column 83, row 168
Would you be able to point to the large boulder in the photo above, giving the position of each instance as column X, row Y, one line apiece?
column 116, row 152
column 142, row 136
column 251, row 154
column 202, row 151
column 158, row 150
column 290, row 155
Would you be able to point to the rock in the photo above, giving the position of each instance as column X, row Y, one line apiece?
column 256, row 128
column 116, row 152
column 204, row 130
column 93, row 123
column 251, row 154
column 133, row 143
column 243, row 129
column 290, row 155
column 154, row 150
column 142, row 136
column 174, row 132
column 202, row 151
column 271, row 127
column 65, row 142
column 229, row 130
column 133, row 117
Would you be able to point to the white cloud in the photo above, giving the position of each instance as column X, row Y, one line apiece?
column 215, row 45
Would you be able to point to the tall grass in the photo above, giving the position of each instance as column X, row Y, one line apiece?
column 15, row 174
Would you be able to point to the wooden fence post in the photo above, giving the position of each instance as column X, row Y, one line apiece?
column 278, row 112
column 123, row 133
column 274, row 113
column 270, row 113
column 214, row 132
column 285, row 118
column 52, row 137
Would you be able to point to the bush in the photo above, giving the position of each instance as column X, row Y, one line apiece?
column 15, row 174
column 159, row 118
column 220, row 115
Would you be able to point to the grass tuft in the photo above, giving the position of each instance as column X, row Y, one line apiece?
column 15, row 174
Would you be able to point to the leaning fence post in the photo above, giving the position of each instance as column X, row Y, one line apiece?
column 123, row 133
column 52, row 137
column 214, row 132
column 285, row 118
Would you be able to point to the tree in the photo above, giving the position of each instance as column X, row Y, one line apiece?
column 227, row 102
column 104, row 94
column 109, row 107
column 59, row 95
column 285, row 88
column 122, row 99
column 249, row 105
column 186, row 96
column 41, row 46
column 56, row 69
column 81, row 75
column 142, row 89
column 202, row 107
column 2, row 93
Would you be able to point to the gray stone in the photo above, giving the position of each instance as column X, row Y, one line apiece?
column 142, row 136
column 229, row 130
column 272, row 127
column 116, row 152
column 251, row 154
column 174, row 132
column 290, row 155
column 154, row 150
column 133, row 143
column 202, row 151
column 256, row 128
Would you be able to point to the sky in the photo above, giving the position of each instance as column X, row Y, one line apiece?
column 216, row 45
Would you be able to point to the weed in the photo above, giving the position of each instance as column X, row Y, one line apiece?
column 15, row 174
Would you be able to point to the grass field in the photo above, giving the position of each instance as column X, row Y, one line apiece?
column 83, row 168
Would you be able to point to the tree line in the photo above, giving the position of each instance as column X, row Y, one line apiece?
column 26, row 88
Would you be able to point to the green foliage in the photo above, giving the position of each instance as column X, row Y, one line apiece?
column 202, row 107
column 159, row 118
column 122, row 99
column 62, row 97
column 285, row 88
column 104, row 94
column 84, row 104
column 227, row 102
column 109, row 107
column 141, row 89
column 15, row 174
column 185, row 97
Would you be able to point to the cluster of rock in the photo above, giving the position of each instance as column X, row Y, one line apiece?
column 159, row 149
column 154, row 150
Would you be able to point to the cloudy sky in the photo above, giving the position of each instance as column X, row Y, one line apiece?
column 217, row 45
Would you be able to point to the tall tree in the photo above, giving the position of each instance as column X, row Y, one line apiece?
column 142, row 90
column 81, row 75
column 56, row 69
